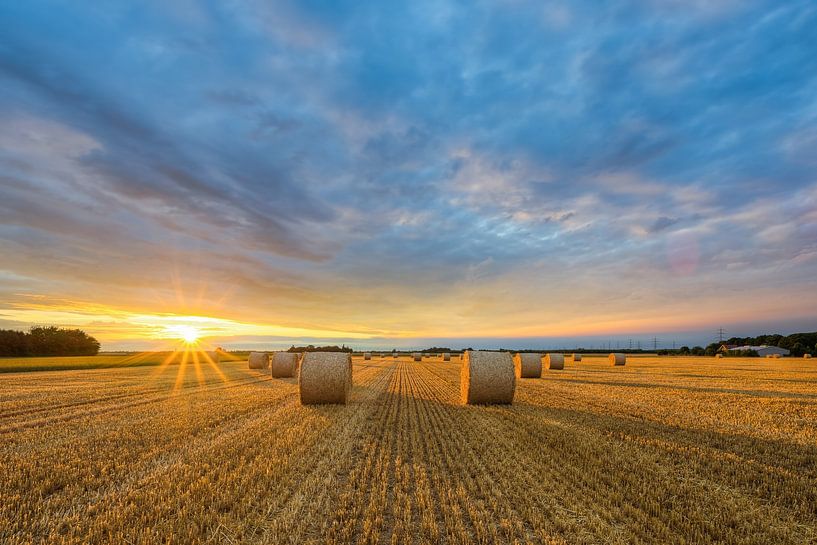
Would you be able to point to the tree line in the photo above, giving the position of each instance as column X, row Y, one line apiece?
column 47, row 341
column 797, row 343
column 313, row 348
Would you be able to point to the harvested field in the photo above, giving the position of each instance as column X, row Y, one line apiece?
column 662, row 450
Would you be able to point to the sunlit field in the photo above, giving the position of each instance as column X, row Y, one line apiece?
column 663, row 450
column 102, row 361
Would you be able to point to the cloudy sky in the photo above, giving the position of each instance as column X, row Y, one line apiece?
column 480, row 173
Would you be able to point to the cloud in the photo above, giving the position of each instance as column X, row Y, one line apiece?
column 358, row 166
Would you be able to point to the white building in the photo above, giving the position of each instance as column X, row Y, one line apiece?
column 763, row 350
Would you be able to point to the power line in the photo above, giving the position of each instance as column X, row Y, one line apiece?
column 720, row 335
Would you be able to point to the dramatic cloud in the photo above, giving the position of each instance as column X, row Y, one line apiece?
column 376, row 170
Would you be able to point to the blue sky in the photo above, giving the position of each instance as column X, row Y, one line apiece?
column 393, row 173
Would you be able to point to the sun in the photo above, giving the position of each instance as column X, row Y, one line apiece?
column 188, row 333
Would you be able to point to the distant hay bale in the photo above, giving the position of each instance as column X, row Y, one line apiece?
column 487, row 378
column 258, row 360
column 367, row 355
column 554, row 361
column 617, row 359
column 284, row 364
column 417, row 356
column 325, row 377
column 718, row 355
column 575, row 358
column 446, row 356
column 527, row 365
column 807, row 356
column 394, row 355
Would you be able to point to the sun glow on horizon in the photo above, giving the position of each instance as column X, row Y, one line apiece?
column 187, row 333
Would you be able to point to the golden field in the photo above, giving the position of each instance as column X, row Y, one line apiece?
column 663, row 450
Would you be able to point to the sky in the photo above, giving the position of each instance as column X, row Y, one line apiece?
column 382, row 174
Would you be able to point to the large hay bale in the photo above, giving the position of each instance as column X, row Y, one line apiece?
column 258, row 360
column 325, row 377
column 367, row 355
column 284, row 364
column 446, row 356
column 807, row 356
column 487, row 378
column 617, row 359
column 417, row 356
column 527, row 365
column 554, row 361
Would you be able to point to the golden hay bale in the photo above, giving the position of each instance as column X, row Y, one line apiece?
column 617, row 359
column 367, row 355
column 325, row 377
column 394, row 355
column 258, row 360
column 576, row 358
column 284, row 364
column 718, row 355
column 527, row 365
column 417, row 356
column 807, row 356
column 554, row 361
column 446, row 356
column 487, row 378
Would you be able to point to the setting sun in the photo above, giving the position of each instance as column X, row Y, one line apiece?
column 187, row 333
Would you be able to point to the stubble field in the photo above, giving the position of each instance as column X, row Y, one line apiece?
column 663, row 450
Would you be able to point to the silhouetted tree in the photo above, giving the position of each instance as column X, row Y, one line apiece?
column 47, row 341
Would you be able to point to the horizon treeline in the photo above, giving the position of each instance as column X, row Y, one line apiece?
column 796, row 343
column 47, row 341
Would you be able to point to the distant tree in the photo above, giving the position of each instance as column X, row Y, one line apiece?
column 684, row 351
column 48, row 341
column 313, row 348
column 13, row 343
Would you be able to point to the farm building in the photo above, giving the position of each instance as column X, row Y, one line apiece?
column 763, row 350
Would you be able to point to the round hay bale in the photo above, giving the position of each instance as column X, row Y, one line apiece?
column 325, row 377
column 577, row 358
column 394, row 355
column 807, row 356
column 367, row 355
column 417, row 356
column 617, row 359
column 554, row 361
column 258, row 360
column 527, row 365
column 487, row 378
column 446, row 356
column 284, row 364
column 718, row 355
